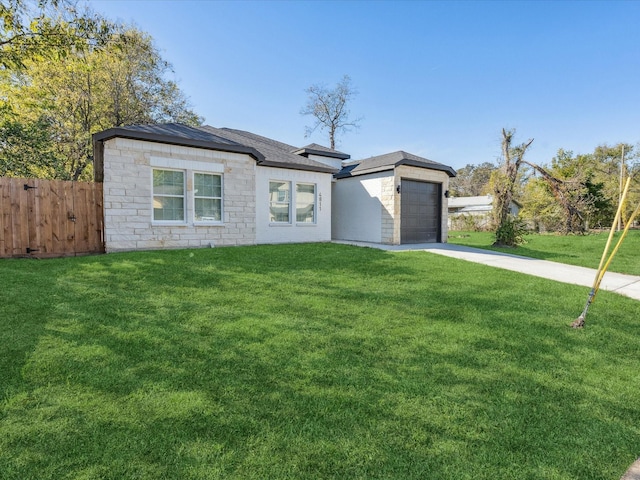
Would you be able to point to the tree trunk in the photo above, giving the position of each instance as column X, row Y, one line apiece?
column 503, row 188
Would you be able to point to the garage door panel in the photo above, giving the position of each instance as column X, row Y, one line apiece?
column 420, row 207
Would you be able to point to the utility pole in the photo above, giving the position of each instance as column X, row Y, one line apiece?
column 620, row 190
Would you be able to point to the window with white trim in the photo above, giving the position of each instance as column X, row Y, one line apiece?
column 207, row 197
column 168, row 195
column 305, row 203
column 279, row 202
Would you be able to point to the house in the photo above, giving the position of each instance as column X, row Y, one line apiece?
column 395, row 198
column 175, row 186
column 474, row 212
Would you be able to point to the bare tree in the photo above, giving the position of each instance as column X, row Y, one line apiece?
column 329, row 108
column 504, row 181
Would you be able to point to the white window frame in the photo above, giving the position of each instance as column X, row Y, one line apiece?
column 188, row 169
column 183, row 196
column 289, row 202
column 221, row 198
column 315, row 203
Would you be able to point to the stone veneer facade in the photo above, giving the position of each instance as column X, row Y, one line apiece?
column 128, row 196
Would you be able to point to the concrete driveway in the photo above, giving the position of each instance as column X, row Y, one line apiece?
column 628, row 285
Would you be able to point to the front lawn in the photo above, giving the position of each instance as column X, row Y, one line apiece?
column 310, row 361
column 581, row 250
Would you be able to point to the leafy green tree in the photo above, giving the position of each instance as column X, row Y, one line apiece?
column 571, row 193
column 472, row 180
column 91, row 90
column 607, row 165
column 46, row 29
column 26, row 150
column 539, row 208
column 571, row 196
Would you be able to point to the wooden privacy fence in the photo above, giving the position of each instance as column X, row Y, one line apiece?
column 50, row 218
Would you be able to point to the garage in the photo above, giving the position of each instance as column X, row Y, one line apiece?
column 392, row 199
column 420, row 212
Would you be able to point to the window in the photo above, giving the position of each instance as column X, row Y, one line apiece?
column 168, row 195
column 305, row 203
column 207, row 194
column 279, row 202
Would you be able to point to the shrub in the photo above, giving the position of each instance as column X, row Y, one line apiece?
column 470, row 223
column 511, row 233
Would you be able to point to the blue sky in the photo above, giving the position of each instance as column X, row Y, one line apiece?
column 437, row 79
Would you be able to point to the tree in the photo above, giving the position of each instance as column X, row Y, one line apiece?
column 92, row 90
column 539, row 209
column 607, row 166
column 46, row 29
column 26, row 150
column 571, row 195
column 504, row 186
column 472, row 180
column 576, row 192
column 329, row 107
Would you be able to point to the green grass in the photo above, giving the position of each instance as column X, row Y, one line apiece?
column 581, row 250
column 310, row 361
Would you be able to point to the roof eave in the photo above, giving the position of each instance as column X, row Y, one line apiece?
column 118, row 132
column 356, row 173
column 291, row 166
column 431, row 166
column 310, row 151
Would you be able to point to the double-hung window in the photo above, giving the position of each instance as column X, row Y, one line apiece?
column 279, row 202
column 207, row 197
column 168, row 195
column 176, row 200
column 283, row 197
column 305, row 203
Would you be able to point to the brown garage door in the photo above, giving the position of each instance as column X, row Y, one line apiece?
column 420, row 207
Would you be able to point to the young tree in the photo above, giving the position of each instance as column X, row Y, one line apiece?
column 329, row 107
column 504, row 186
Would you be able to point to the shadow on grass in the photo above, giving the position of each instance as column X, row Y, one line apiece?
column 317, row 361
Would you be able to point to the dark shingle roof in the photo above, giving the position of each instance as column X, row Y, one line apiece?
column 266, row 151
column 276, row 154
column 177, row 134
column 179, row 130
column 388, row 162
column 315, row 149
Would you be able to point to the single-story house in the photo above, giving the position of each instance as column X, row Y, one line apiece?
column 479, row 209
column 175, row 186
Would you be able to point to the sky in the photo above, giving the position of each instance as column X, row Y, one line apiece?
column 438, row 79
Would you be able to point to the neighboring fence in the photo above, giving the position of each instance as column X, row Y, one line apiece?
column 50, row 218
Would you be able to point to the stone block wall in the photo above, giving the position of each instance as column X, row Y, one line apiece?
column 390, row 211
column 128, row 196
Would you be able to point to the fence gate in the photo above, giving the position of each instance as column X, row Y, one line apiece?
column 50, row 218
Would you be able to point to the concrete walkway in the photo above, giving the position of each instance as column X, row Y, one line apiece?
column 628, row 285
